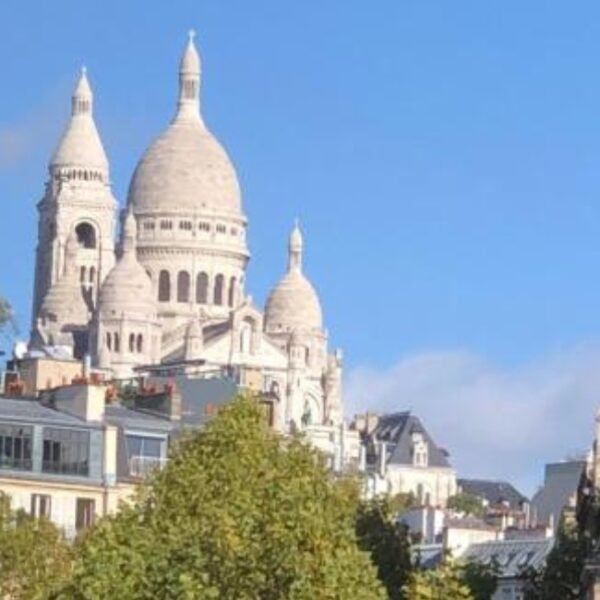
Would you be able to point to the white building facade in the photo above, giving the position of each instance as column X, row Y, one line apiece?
column 174, row 288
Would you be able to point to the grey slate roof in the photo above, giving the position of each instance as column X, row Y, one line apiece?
column 511, row 556
column 396, row 429
column 127, row 418
column 427, row 556
column 495, row 492
column 31, row 411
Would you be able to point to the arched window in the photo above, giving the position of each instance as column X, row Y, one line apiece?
column 219, row 283
column 86, row 235
column 140, row 343
column 164, row 286
column 202, row 288
column 82, row 274
column 109, row 341
column 92, row 274
column 246, row 337
column 117, row 343
column 183, row 286
column 132, row 342
column 231, row 295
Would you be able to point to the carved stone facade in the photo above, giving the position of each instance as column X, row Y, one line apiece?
column 177, row 292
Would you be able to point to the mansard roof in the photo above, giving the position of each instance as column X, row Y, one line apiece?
column 494, row 492
column 396, row 430
column 511, row 556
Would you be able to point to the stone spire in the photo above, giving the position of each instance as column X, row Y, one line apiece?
column 83, row 99
column 188, row 104
column 295, row 249
column 80, row 146
column 129, row 235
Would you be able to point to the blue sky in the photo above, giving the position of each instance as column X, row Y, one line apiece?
column 443, row 157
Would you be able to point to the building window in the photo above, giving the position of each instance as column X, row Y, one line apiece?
column 15, row 447
column 185, row 225
column 164, row 286
column 419, row 450
column 231, row 295
column 140, row 343
column 66, row 451
column 81, row 274
column 92, row 274
column 132, row 342
column 204, row 226
column 117, row 343
column 41, row 506
column 109, row 341
column 246, row 337
column 219, row 283
column 149, row 225
column 85, row 513
column 86, row 235
column 221, row 229
column 183, row 286
column 202, row 288
column 167, row 225
column 145, row 454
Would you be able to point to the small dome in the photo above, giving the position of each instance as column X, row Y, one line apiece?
column 185, row 169
column 293, row 305
column 127, row 288
column 80, row 145
column 64, row 300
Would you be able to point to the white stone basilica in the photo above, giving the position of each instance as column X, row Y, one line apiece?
column 173, row 290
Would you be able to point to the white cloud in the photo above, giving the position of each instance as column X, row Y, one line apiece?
column 496, row 422
column 37, row 131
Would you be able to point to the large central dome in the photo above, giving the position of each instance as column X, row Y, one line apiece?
column 186, row 169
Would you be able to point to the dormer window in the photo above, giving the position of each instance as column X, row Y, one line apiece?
column 420, row 450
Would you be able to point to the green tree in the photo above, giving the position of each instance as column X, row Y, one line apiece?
column 470, row 504
column 560, row 579
column 442, row 583
column 402, row 502
column 481, row 579
column 387, row 542
column 7, row 318
column 239, row 513
column 34, row 557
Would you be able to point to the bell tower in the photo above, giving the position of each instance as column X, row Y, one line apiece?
column 78, row 202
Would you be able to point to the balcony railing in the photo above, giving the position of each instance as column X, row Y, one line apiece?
column 140, row 466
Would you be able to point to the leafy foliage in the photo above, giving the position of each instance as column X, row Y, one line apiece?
column 387, row 542
column 34, row 557
column 561, row 577
column 402, row 502
column 7, row 318
column 466, row 503
column 481, row 579
column 443, row 583
column 239, row 513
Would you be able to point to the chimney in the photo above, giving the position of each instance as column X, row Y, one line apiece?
column 85, row 401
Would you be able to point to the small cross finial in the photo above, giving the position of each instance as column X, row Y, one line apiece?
column 83, row 69
column 191, row 35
